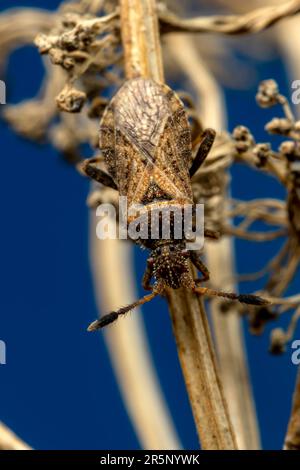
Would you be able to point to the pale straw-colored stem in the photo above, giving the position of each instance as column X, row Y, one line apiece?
column 9, row 440
column 30, row 22
column 140, row 36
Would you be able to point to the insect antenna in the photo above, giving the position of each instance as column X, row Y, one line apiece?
column 243, row 298
column 113, row 316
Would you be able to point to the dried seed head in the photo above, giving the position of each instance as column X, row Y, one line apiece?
column 70, row 20
column 279, row 126
column 290, row 150
column 43, row 43
column 259, row 317
column 244, row 139
column 262, row 152
column 71, row 100
column 268, row 94
column 278, row 341
column 58, row 57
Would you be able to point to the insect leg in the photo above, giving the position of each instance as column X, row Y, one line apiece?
column 243, row 298
column 198, row 263
column 208, row 138
column 111, row 317
column 148, row 276
column 87, row 168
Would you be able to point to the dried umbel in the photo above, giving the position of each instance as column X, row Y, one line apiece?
column 268, row 94
column 244, row 139
column 85, row 47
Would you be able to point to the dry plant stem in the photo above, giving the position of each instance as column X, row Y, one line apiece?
column 198, row 362
column 9, row 441
column 292, row 439
column 141, row 39
column 229, row 338
column 143, row 58
column 128, row 346
column 252, row 22
column 228, row 331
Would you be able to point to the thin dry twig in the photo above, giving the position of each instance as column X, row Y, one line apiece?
column 9, row 440
column 253, row 22
column 143, row 57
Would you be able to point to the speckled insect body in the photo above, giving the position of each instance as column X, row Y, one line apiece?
column 145, row 139
column 146, row 142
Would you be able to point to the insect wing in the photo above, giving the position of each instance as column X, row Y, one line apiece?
column 174, row 152
column 145, row 137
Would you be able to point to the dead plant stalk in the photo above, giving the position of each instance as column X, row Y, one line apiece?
column 9, row 440
column 140, row 36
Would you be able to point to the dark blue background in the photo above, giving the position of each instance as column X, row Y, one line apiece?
column 57, row 390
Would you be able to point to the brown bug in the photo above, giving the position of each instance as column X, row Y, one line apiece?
column 145, row 139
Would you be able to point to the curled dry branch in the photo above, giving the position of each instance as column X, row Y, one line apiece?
column 253, row 22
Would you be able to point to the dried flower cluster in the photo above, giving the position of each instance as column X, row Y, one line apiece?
column 283, row 164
